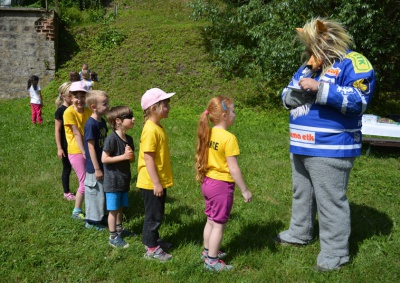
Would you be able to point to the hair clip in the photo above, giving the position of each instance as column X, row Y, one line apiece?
column 206, row 112
column 223, row 105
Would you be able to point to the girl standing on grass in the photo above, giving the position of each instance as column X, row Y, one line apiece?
column 75, row 118
column 218, row 170
column 63, row 101
column 36, row 99
column 154, row 171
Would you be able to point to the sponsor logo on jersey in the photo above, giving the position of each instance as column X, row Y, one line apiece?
column 360, row 63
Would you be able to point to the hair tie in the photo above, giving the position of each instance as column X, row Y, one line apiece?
column 223, row 105
column 206, row 112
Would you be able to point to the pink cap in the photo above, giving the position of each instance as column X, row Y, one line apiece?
column 152, row 96
column 78, row 86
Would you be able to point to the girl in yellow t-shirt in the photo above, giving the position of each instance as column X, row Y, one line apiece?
column 154, row 171
column 75, row 118
column 218, row 170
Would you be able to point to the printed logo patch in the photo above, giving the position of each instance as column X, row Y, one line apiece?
column 302, row 136
column 333, row 72
column 360, row 63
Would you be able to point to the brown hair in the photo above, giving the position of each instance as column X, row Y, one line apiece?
column 117, row 112
column 216, row 107
column 74, row 77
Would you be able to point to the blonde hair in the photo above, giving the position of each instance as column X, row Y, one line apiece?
column 216, row 107
column 92, row 95
column 153, row 109
column 85, row 74
column 117, row 112
column 63, row 90
column 326, row 39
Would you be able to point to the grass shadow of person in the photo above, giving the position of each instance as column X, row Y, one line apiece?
column 254, row 237
column 366, row 222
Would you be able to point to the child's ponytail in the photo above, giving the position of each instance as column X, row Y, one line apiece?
column 203, row 139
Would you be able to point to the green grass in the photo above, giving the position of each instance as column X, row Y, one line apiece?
column 41, row 243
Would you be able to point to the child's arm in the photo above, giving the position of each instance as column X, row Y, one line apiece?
column 238, row 178
column 129, row 149
column 58, row 128
column 152, row 170
column 41, row 98
column 107, row 159
column 93, row 156
column 78, row 138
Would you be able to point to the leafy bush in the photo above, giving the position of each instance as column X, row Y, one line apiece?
column 109, row 37
column 255, row 38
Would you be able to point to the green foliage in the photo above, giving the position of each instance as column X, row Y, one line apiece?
column 255, row 38
column 109, row 38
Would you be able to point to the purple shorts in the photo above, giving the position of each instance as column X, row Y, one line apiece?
column 218, row 196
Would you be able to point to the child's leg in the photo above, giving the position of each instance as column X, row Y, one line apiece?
column 112, row 220
column 39, row 114
column 66, row 172
column 78, row 163
column 33, row 113
column 214, row 238
column 154, row 212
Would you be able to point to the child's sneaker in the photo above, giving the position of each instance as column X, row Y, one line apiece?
column 118, row 242
column 78, row 216
column 158, row 254
column 99, row 227
column 218, row 265
column 69, row 196
column 220, row 255
column 125, row 233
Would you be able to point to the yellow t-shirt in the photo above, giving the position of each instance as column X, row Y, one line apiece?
column 222, row 144
column 72, row 117
column 154, row 139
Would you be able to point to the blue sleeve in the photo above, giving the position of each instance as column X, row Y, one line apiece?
column 348, row 86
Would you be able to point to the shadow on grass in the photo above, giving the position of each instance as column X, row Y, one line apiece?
column 381, row 151
column 255, row 237
column 367, row 222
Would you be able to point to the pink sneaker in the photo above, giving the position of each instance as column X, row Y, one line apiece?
column 69, row 196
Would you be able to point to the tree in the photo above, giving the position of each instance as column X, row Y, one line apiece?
column 255, row 38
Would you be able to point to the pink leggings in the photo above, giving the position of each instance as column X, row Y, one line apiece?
column 78, row 163
column 36, row 113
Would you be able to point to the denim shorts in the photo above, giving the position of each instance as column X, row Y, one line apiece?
column 218, row 196
column 115, row 200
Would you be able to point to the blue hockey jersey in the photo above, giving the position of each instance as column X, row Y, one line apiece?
column 331, row 126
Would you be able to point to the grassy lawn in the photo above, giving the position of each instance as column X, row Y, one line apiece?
column 40, row 242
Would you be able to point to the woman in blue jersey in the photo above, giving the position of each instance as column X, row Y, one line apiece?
column 326, row 97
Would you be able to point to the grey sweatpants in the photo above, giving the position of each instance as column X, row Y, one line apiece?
column 320, row 185
column 95, row 200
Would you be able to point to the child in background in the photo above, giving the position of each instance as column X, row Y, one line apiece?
column 63, row 101
column 74, row 77
column 84, row 67
column 118, row 154
column 154, row 171
column 94, row 80
column 218, row 170
column 75, row 118
column 85, row 78
column 36, row 99
column 95, row 133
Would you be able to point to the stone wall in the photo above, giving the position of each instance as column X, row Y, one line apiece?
column 28, row 46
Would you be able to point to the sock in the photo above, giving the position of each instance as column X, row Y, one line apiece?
column 119, row 227
column 151, row 250
column 113, row 234
column 77, row 210
column 212, row 260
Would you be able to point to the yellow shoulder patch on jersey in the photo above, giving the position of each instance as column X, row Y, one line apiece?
column 360, row 85
column 360, row 63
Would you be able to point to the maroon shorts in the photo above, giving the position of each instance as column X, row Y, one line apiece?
column 218, row 196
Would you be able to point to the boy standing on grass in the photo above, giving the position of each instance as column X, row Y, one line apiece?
column 118, row 153
column 94, row 135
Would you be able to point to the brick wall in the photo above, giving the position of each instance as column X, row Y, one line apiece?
column 28, row 46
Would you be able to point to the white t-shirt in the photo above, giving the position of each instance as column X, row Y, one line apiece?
column 35, row 98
